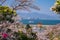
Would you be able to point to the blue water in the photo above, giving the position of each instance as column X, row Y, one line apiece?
column 44, row 22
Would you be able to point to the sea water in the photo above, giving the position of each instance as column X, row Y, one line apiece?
column 44, row 22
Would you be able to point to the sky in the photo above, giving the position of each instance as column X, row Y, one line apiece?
column 44, row 13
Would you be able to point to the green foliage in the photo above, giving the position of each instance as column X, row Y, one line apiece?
column 23, row 36
column 57, row 2
column 28, row 26
column 6, row 13
column 51, row 35
column 7, row 10
column 56, row 7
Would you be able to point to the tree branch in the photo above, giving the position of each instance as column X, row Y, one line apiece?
column 2, row 1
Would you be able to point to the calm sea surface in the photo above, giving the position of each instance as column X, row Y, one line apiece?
column 44, row 22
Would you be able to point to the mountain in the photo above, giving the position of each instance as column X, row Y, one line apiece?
column 38, row 16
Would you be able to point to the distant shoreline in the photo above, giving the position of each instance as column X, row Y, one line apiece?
column 33, row 25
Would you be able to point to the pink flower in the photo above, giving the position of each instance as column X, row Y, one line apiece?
column 4, row 35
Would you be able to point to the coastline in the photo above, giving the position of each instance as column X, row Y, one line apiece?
column 34, row 25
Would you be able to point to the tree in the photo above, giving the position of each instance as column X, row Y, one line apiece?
column 7, row 13
column 28, row 26
column 56, row 7
column 2, row 1
column 22, row 4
